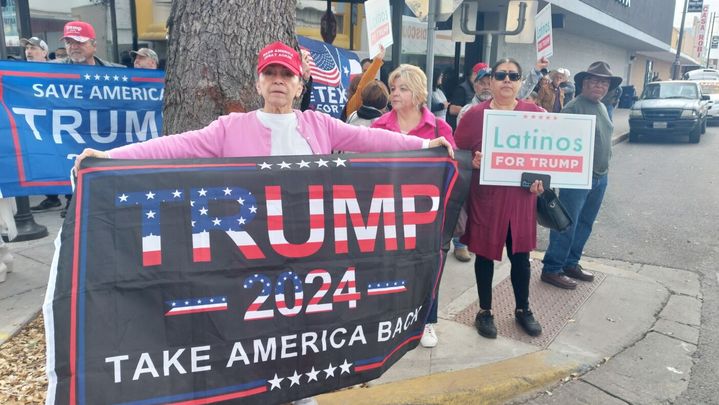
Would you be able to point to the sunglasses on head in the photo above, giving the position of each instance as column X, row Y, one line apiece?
column 513, row 76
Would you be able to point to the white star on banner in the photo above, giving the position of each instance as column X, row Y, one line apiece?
column 193, row 223
column 346, row 70
column 203, row 211
column 97, row 77
column 294, row 378
column 116, row 78
column 241, row 221
column 123, row 197
column 192, row 203
column 345, row 367
column 87, row 76
column 150, row 195
column 227, row 190
column 275, row 382
column 107, row 77
column 284, row 165
column 312, row 375
column 321, row 163
column 176, row 193
column 303, row 164
column 202, row 192
column 150, row 214
column 265, row 165
column 253, row 209
column 340, row 162
column 124, row 78
column 330, row 371
column 216, row 221
column 241, row 201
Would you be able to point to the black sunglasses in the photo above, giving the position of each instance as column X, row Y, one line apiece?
column 513, row 76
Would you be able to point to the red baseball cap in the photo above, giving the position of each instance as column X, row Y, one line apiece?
column 481, row 68
column 79, row 31
column 281, row 54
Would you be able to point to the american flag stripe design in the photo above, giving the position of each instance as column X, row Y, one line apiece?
column 323, row 68
column 389, row 287
column 345, row 201
column 275, row 223
column 196, row 305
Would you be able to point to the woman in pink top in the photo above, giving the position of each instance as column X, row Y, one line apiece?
column 410, row 115
column 276, row 129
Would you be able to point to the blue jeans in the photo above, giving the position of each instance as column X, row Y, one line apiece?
column 457, row 244
column 610, row 110
column 565, row 248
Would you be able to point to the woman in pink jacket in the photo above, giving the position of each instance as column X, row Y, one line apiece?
column 275, row 129
column 410, row 115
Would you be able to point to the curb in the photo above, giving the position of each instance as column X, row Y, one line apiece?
column 7, row 335
column 620, row 138
column 494, row 383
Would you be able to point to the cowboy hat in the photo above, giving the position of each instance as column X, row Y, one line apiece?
column 599, row 69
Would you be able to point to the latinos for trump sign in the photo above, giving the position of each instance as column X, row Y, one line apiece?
column 52, row 111
column 331, row 69
column 561, row 145
column 267, row 279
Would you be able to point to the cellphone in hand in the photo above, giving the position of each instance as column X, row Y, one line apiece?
column 528, row 179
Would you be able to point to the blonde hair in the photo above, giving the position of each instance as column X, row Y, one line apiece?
column 415, row 79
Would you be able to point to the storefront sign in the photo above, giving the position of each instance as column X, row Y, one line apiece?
column 543, row 33
column 561, row 145
column 379, row 25
column 695, row 6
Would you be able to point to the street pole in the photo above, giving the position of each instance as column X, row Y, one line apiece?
column 711, row 38
column 677, row 66
column 431, row 22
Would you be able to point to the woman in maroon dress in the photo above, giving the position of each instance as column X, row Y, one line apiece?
column 500, row 215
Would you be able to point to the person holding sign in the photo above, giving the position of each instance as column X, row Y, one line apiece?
column 410, row 115
column 500, row 215
column 561, row 260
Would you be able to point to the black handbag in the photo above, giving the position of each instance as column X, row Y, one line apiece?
column 551, row 213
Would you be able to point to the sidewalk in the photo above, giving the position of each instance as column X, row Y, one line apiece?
column 629, row 311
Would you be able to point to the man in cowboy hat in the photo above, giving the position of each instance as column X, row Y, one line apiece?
column 561, row 260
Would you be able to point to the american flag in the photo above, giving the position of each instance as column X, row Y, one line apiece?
column 389, row 287
column 196, row 305
column 323, row 67
column 150, row 203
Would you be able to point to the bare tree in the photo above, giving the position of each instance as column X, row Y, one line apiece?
column 212, row 56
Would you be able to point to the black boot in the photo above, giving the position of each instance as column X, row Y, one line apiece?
column 526, row 320
column 484, row 322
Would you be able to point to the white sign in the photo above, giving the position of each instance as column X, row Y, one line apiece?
column 560, row 145
column 543, row 33
column 379, row 25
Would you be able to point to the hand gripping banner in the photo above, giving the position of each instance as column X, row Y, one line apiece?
column 259, row 280
column 52, row 111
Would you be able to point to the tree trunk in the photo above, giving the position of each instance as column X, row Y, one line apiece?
column 212, row 57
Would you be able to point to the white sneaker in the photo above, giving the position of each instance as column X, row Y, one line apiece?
column 305, row 401
column 429, row 337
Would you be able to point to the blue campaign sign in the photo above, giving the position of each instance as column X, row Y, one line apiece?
column 51, row 112
column 331, row 70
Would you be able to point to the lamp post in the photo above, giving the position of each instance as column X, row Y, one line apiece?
column 676, row 67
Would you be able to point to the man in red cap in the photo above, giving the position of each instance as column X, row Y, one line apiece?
column 79, row 38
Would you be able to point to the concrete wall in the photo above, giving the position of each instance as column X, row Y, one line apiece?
column 570, row 51
column 655, row 17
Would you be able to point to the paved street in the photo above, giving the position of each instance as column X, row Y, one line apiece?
column 661, row 210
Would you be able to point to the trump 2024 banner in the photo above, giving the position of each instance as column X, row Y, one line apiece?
column 560, row 145
column 260, row 279
column 52, row 111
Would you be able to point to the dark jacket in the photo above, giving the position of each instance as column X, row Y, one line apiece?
column 98, row 62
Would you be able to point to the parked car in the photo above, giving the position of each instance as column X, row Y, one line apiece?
column 669, row 108
column 711, row 89
column 702, row 74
